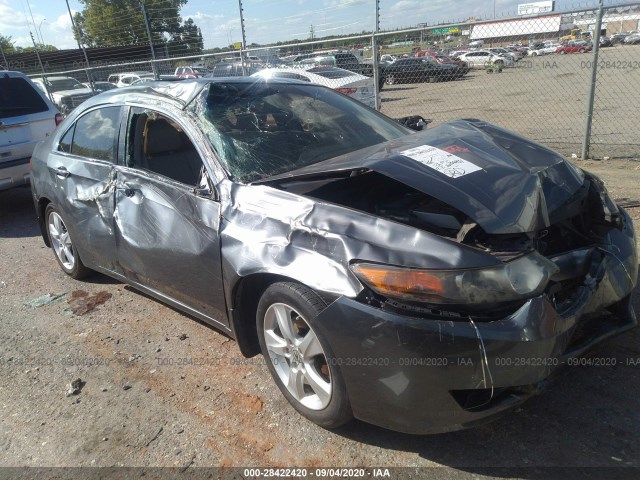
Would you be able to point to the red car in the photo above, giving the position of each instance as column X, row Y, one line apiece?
column 573, row 48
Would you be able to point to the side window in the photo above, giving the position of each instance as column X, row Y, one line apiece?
column 96, row 134
column 65, row 142
column 158, row 144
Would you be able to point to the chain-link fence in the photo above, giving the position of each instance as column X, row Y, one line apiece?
column 569, row 80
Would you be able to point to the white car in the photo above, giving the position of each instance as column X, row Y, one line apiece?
column 126, row 79
column 27, row 116
column 505, row 53
column 356, row 86
column 481, row 58
column 66, row 92
column 549, row 47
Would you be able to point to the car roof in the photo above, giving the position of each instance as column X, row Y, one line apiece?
column 182, row 92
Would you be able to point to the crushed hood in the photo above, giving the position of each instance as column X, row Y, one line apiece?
column 502, row 181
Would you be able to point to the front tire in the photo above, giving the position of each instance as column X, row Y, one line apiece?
column 297, row 356
column 390, row 80
column 62, row 245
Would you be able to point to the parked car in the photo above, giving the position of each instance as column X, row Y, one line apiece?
column 387, row 59
column 446, row 60
column 573, row 47
column 482, row 58
column 618, row 37
column 345, row 60
column 65, row 92
column 406, row 70
column 632, row 39
column 544, row 49
column 605, row 42
column 100, row 86
column 192, row 71
column 358, row 87
column 125, row 79
column 318, row 231
column 234, row 69
column 503, row 52
column 27, row 116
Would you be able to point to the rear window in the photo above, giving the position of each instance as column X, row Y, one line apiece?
column 328, row 72
column 18, row 97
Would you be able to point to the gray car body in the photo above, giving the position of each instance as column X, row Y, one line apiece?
column 302, row 232
column 211, row 255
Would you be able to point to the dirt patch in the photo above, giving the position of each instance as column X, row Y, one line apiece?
column 82, row 303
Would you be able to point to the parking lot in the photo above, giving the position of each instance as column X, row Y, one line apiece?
column 158, row 388
column 543, row 98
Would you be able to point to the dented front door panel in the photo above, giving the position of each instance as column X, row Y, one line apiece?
column 167, row 240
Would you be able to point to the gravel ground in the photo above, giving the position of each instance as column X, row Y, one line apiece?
column 158, row 388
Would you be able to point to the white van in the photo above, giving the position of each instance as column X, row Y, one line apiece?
column 27, row 116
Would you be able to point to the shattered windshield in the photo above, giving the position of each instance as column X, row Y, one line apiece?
column 264, row 129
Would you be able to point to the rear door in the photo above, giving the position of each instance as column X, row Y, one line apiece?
column 81, row 168
column 167, row 215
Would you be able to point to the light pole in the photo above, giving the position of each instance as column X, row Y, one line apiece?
column 40, row 30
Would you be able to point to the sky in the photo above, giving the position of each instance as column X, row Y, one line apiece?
column 266, row 20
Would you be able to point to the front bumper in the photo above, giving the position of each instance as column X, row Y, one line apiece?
column 429, row 376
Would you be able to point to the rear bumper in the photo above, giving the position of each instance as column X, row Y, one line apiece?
column 14, row 173
column 417, row 375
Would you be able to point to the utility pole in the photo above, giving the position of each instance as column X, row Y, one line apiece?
column 586, row 141
column 244, row 38
column 81, row 47
column 44, row 78
column 374, row 53
column 154, row 67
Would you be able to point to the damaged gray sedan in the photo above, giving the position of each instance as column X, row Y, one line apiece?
column 423, row 282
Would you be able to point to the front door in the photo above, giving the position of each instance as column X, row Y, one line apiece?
column 167, row 226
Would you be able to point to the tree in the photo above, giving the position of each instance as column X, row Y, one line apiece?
column 41, row 48
column 110, row 23
column 7, row 44
column 188, row 40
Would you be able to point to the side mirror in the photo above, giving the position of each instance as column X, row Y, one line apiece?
column 204, row 188
column 202, row 191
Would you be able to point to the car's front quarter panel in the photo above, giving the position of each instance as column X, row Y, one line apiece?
column 265, row 230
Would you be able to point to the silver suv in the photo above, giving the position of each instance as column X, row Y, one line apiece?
column 26, row 117
column 66, row 92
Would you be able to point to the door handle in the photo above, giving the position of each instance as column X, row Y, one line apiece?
column 62, row 172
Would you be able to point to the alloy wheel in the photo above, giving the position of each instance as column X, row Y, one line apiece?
column 61, row 241
column 297, row 356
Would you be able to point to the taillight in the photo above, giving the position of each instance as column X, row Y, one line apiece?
column 59, row 118
column 347, row 91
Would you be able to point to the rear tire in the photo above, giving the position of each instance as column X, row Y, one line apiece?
column 299, row 358
column 63, row 245
column 390, row 80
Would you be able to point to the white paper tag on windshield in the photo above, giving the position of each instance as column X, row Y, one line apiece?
column 444, row 162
